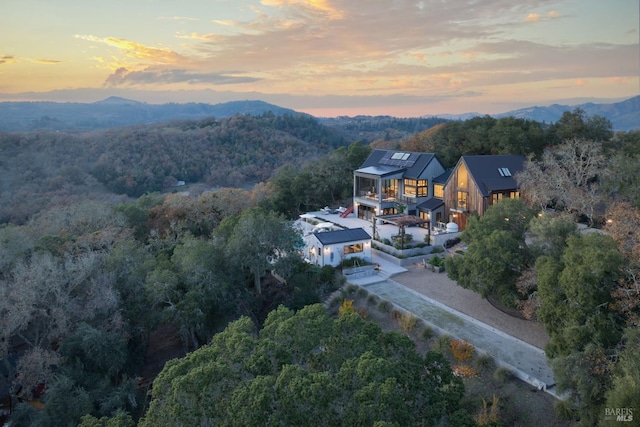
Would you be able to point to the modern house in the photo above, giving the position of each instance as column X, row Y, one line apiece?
column 391, row 182
column 433, row 209
column 332, row 247
column 477, row 182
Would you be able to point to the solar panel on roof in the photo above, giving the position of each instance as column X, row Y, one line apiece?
column 405, row 160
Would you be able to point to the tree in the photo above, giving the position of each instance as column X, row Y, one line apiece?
column 625, row 384
column 623, row 222
column 490, row 266
column 567, row 177
column 576, row 292
column 576, row 124
column 549, row 233
column 257, row 239
column 304, row 368
column 496, row 251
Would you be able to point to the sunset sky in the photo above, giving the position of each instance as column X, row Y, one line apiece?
column 323, row 57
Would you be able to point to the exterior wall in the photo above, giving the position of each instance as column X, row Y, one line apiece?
column 475, row 201
column 324, row 256
column 433, row 169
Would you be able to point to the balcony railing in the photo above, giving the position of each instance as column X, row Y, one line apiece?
column 386, row 197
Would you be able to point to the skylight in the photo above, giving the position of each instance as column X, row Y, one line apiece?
column 400, row 156
column 504, row 171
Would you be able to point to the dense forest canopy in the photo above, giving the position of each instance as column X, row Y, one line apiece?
column 94, row 264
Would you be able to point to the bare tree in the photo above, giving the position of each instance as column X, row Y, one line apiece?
column 567, row 177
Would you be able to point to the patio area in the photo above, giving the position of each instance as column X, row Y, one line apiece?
column 384, row 231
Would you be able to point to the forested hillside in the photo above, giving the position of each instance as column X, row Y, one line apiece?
column 118, row 112
column 39, row 168
column 95, row 296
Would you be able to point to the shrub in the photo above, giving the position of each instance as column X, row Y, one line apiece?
column 351, row 289
column 489, row 416
column 396, row 314
column 451, row 242
column 461, row 350
column 407, row 322
column 564, row 411
column 384, row 306
column 484, row 362
column 464, row 371
column 427, row 332
column 437, row 250
column 363, row 312
column 442, row 344
column 503, row 374
column 362, row 293
column 372, row 299
column 335, row 301
column 346, row 306
column 436, row 261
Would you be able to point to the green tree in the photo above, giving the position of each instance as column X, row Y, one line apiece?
column 549, row 234
column 496, row 251
column 304, row 368
column 577, row 125
column 257, row 239
column 576, row 293
column 625, row 384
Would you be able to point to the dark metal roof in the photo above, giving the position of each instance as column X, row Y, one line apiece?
column 486, row 171
column 414, row 163
column 380, row 170
column 430, row 205
column 442, row 179
column 342, row 236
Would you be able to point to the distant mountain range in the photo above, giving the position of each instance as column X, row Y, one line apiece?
column 116, row 112
column 624, row 115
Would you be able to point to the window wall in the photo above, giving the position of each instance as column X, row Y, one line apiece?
column 389, row 188
column 416, row 187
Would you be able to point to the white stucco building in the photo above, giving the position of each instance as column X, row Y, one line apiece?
column 332, row 247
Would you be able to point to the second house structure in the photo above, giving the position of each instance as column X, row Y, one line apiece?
column 478, row 182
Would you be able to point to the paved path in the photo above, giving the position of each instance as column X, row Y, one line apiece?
column 463, row 314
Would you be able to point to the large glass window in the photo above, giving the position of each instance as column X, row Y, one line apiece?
column 438, row 191
column 462, row 200
column 352, row 249
column 389, row 188
column 367, row 187
column 416, row 187
column 463, row 176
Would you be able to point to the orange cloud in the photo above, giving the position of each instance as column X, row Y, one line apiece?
column 322, row 6
column 533, row 17
column 419, row 56
column 581, row 82
column 46, row 61
column 7, row 59
column 137, row 50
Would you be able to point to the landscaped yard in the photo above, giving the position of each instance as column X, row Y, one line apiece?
column 518, row 404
